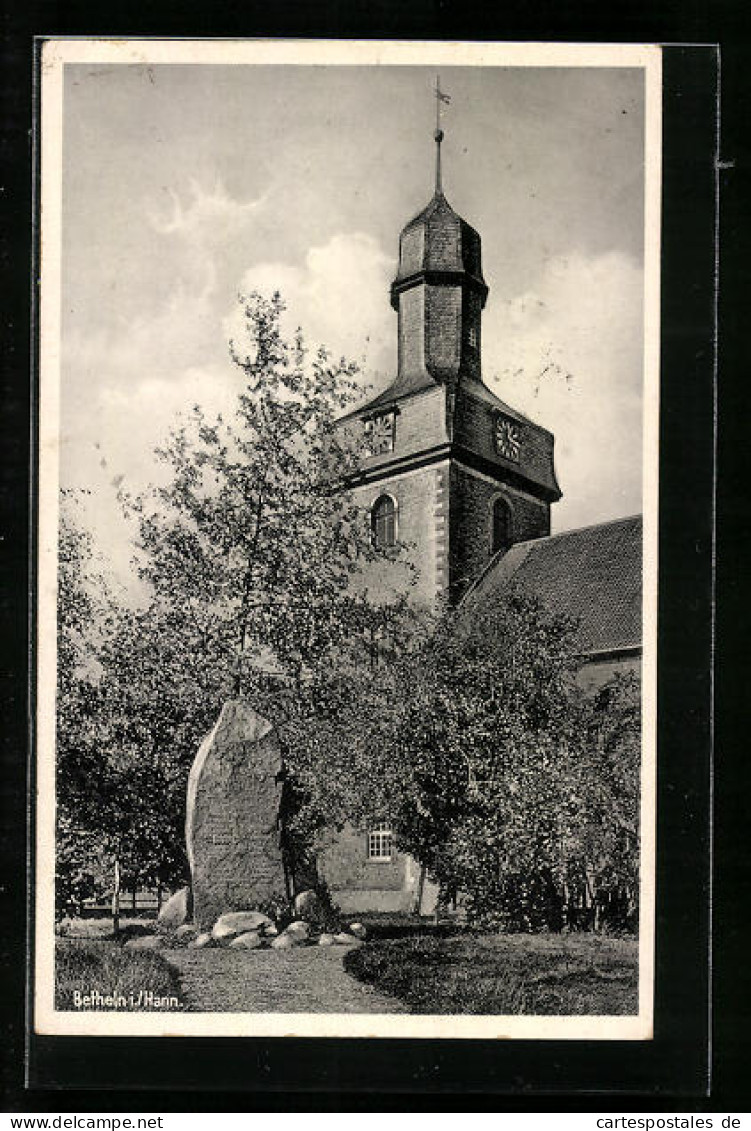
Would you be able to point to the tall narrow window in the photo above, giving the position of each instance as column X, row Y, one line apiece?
column 383, row 522
column 501, row 533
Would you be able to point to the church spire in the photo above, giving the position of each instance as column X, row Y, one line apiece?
column 438, row 135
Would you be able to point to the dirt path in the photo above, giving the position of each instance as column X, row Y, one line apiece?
column 306, row 980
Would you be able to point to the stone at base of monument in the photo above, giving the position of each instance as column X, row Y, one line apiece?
column 299, row 929
column 238, row 922
column 250, row 940
column 344, row 939
column 202, row 941
column 308, row 905
column 285, row 941
column 232, row 819
column 326, row 940
column 175, row 911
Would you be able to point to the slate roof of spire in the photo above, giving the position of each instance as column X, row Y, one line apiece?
column 449, row 243
column 593, row 575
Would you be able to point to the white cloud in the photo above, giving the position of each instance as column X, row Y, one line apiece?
column 569, row 354
column 339, row 297
column 125, row 386
column 213, row 213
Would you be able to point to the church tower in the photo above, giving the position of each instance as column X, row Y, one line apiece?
column 450, row 469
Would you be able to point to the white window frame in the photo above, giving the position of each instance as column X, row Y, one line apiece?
column 380, row 837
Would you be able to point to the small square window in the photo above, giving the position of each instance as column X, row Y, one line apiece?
column 472, row 338
column 380, row 843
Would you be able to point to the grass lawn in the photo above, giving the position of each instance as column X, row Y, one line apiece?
column 502, row 974
column 102, row 967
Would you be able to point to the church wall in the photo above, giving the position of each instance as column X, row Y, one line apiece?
column 472, row 320
column 411, row 331
column 474, row 428
column 443, row 331
column 472, row 498
column 420, row 425
column 422, row 522
column 594, row 673
column 421, row 422
column 358, row 884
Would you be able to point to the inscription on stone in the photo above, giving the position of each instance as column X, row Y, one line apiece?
column 232, row 820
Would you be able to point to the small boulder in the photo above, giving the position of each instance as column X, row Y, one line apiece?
column 270, row 932
column 185, row 930
column 326, row 939
column 300, row 929
column 250, row 940
column 307, row 905
column 203, row 940
column 143, row 942
column 283, row 942
column 174, row 912
column 358, row 930
column 238, row 922
column 345, row 939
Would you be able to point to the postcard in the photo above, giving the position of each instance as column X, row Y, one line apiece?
column 348, row 470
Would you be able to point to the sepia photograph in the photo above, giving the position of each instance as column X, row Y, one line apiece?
column 348, row 472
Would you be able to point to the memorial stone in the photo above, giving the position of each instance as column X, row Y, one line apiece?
column 232, row 822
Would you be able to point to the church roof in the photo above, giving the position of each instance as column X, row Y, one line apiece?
column 404, row 385
column 592, row 575
column 407, row 384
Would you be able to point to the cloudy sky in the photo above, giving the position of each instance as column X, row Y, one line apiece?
column 184, row 184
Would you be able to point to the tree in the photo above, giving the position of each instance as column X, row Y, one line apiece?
column 82, row 598
column 498, row 774
column 127, row 723
column 248, row 552
column 252, row 544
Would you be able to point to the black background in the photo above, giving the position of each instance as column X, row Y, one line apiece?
column 674, row 1071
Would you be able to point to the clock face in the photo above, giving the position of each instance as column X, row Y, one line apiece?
column 379, row 434
column 507, row 438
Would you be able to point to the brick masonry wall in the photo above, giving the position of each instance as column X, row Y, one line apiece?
column 471, row 320
column 412, row 330
column 420, row 425
column 474, row 428
column 357, row 884
column 343, row 862
column 593, row 673
column 471, row 522
column 422, row 520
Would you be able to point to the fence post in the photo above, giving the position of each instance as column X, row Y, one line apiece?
column 116, row 898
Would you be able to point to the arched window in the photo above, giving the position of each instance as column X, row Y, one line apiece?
column 500, row 538
column 383, row 522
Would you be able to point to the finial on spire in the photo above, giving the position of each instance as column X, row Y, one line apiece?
column 438, row 135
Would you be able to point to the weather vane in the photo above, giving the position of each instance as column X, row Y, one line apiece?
column 440, row 98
